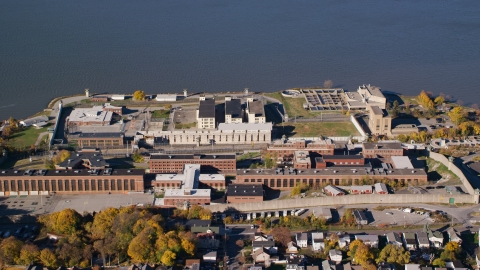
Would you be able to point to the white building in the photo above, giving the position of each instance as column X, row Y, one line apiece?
column 166, row 98
column 206, row 113
column 255, row 111
column 118, row 97
column 233, row 110
column 302, row 240
column 318, row 239
column 369, row 239
column 335, row 255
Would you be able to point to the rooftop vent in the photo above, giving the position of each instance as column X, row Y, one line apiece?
column 170, row 157
column 4, row 171
column 15, row 171
column 78, row 154
column 57, row 171
column 214, row 156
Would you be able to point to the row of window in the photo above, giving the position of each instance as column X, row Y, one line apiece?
column 67, row 185
column 293, row 182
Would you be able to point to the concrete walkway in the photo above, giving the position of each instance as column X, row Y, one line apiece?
column 40, row 136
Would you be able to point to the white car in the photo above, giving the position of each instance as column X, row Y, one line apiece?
column 389, row 213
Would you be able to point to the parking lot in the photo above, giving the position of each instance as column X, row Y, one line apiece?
column 36, row 205
column 396, row 217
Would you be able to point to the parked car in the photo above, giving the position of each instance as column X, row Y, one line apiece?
column 389, row 213
column 7, row 234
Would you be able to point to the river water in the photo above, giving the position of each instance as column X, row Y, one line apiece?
column 53, row 48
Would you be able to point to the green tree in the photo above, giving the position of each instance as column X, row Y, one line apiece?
column 168, row 258
column 394, row 254
column 10, row 250
column 439, row 100
column 48, row 258
column 189, row 246
column 137, row 157
column 139, row 95
column 29, row 254
column 457, row 115
column 103, row 222
column 269, row 162
column 438, row 262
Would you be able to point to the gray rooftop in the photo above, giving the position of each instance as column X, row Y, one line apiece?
column 256, row 107
column 245, row 190
column 108, row 171
column 382, row 145
column 376, row 110
column 349, row 171
column 193, row 156
column 234, row 108
column 207, row 108
column 101, row 135
column 95, row 158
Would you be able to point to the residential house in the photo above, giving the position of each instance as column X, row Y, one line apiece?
column 422, row 238
column 453, row 235
column 295, row 263
column 261, row 256
column 146, row 267
column 197, row 223
column 192, row 264
column 327, row 265
column 210, row 257
column 318, row 243
column 262, row 237
column 427, row 268
column 335, row 255
column 412, row 267
column 302, row 240
column 385, row 266
column 312, row 267
column 456, row 265
column 394, row 239
column 207, row 241
column 211, row 229
column 291, row 248
column 410, row 241
column 365, row 189
column 349, row 266
column 369, row 239
column 344, row 240
column 255, row 267
column 380, row 188
column 436, row 238
column 268, row 245
column 333, row 191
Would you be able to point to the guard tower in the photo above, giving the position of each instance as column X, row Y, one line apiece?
column 87, row 92
column 185, row 94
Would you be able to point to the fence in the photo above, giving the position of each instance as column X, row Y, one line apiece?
column 343, row 200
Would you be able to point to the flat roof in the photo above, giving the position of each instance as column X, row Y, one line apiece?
column 166, row 96
column 101, row 135
column 382, row 145
column 245, row 190
column 181, row 193
column 350, row 170
column 207, row 108
column 95, row 114
column 342, row 156
column 360, row 215
column 244, row 126
column 401, row 162
column 376, row 110
column 192, row 156
column 74, row 172
column 234, row 108
column 256, row 107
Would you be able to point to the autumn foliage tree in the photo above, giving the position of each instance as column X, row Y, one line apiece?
column 281, row 235
column 394, row 254
column 457, row 115
column 360, row 253
column 139, row 95
column 425, row 100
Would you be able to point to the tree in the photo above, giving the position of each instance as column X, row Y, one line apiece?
column 457, row 115
column 269, row 162
column 10, row 250
column 299, row 188
column 425, row 100
column 103, row 222
column 403, row 138
column 328, row 84
column 68, row 222
column 205, row 214
column 189, row 247
column 228, row 220
column 281, row 235
column 394, row 254
column 48, row 258
column 240, row 243
column 438, row 262
column 141, row 248
column 363, row 254
column 139, row 95
column 137, row 157
column 48, row 163
column 439, row 100
column 168, row 258
column 29, row 254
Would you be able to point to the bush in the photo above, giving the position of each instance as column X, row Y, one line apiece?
column 138, row 158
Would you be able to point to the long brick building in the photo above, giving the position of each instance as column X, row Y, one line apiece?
column 81, row 181
column 222, row 163
column 285, row 179
column 284, row 150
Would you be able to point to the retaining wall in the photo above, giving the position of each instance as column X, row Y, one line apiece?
column 353, row 119
column 343, row 200
column 52, row 137
column 452, row 167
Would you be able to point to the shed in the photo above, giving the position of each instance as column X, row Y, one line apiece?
column 360, row 217
column 210, row 257
column 380, row 188
column 118, row 97
column 333, row 191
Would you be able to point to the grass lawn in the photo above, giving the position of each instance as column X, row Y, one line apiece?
column 185, row 125
column 248, row 156
column 23, row 164
column 26, row 137
column 315, row 129
column 410, row 99
column 294, row 106
column 161, row 114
